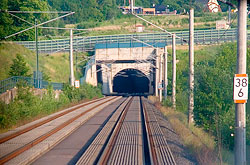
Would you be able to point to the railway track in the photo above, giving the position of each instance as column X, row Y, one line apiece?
column 132, row 136
column 16, row 143
column 112, row 130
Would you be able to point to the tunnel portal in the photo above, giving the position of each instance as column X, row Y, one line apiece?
column 130, row 81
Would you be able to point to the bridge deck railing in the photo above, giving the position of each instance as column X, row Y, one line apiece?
column 88, row 43
column 12, row 82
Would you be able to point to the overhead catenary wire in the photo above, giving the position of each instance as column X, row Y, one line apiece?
column 232, row 5
column 63, row 48
column 78, row 34
column 143, row 42
column 10, row 12
column 59, row 28
column 150, row 56
column 38, row 25
column 138, row 61
column 20, row 18
column 92, row 62
column 228, row 3
column 227, row 28
column 159, row 27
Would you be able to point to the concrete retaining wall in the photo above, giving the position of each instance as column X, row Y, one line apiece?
column 9, row 95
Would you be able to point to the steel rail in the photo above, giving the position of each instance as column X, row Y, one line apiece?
column 11, row 136
column 105, row 158
column 20, row 150
column 159, row 150
column 152, row 137
column 151, row 144
column 103, row 137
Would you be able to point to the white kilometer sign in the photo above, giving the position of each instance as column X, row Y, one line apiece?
column 240, row 88
column 77, row 83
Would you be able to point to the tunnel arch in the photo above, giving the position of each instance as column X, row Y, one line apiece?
column 131, row 81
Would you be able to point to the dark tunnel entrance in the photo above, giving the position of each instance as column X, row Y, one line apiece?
column 130, row 81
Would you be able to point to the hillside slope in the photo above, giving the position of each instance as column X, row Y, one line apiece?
column 8, row 52
column 55, row 66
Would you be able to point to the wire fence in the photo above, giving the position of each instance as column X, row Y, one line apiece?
column 12, row 82
column 88, row 43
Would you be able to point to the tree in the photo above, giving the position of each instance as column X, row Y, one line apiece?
column 214, row 106
column 19, row 67
column 108, row 9
column 5, row 19
column 10, row 24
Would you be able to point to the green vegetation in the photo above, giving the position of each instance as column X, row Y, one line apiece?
column 10, row 24
column 96, row 13
column 54, row 66
column 87, row 10
column 200, row 144
column 214, row 109
column 8, row 53
column 127, row 24
column 19, row 67
column 85, row 91
column 27, row 107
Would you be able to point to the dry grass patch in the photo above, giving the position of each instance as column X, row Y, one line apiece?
column 186, row 47
column 200, row 143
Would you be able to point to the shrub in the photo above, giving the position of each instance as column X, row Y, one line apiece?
column 85, row 91
column 27, row 106
column 214, row 109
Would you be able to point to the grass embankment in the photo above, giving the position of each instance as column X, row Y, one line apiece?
column 126, row 24
column 27, row 107
column 7, row 53
column 56, row 66
column 200, row 143
column 214, row 108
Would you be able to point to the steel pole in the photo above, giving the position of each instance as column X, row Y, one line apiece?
column 110, row 80
column 191, row 67
column 72, row 79
column 37, row 55
column 165, row 72
column 161, row 70
column 132, row 6
column 157, row 73
column 229, row 16
column 240, row 113
column 174, row 71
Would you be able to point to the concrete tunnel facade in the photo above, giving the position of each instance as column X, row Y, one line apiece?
column 124, row 69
